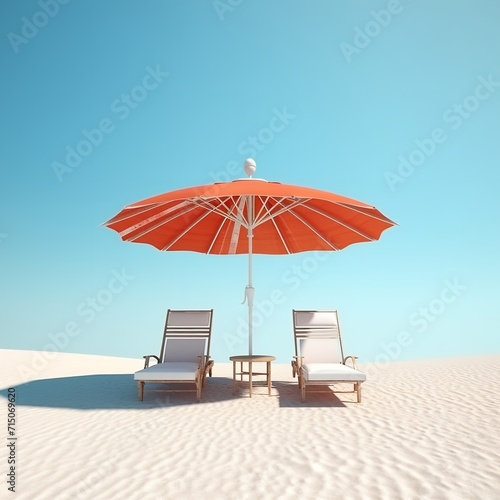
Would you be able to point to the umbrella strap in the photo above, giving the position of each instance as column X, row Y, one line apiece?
column 249, row 292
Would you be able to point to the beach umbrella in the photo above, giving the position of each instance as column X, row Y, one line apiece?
column 249, row 216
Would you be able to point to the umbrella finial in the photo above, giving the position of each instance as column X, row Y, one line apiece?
column 250, row 167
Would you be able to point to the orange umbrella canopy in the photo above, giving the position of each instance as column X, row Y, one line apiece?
column 281, row 219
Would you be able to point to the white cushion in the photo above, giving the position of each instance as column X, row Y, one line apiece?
column 168, row 371
column 320, row 350
column 332, row 371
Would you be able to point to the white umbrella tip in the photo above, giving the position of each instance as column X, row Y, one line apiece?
column 250, row 167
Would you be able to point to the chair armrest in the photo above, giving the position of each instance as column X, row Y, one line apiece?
column 203, row 360
column 148, row 357
column 353, row 358
column 298, row 359
column 209, row 366
column 296, row 365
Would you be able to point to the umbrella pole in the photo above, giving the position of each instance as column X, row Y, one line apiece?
column 250, row 289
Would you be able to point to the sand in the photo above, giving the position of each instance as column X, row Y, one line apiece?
column 424, row 430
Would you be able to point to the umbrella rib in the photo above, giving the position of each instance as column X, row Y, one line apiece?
column 279, row 202
column 264, row 207
column 155, row 217
column 281, row 236
column 132, row 213
column 373, row 216
column 334, row 219
column 329, row 243
column 216, row 235
column 175, row 240
column 226, row 215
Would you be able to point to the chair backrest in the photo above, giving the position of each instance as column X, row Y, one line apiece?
column 186, row 335
column 184, row 349
column 317, row 336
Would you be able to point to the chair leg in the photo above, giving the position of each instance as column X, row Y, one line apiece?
column 198, row 391
column 140, row 386
column 302, row 387
column 358, row 390
column 200, row 375
column 204, row 376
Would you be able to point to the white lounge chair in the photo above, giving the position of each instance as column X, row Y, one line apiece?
column 185, row 353
column 319, row 357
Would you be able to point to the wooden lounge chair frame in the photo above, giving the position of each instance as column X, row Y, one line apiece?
column 304, row 329
column 179, row 325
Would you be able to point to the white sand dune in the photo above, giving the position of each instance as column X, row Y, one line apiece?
column 425, row 430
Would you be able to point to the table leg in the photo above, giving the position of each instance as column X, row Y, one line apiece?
column 234, row 376
column 241, row 371
column 268, row 378
column 250, row 376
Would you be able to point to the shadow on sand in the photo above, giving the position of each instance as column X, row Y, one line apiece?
column 119, row 392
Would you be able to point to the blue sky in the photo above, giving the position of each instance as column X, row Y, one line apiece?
column 395, row 103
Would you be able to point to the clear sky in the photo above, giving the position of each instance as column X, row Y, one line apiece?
column 395, row 103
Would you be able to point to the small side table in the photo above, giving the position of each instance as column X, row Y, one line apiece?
column 250, row 359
